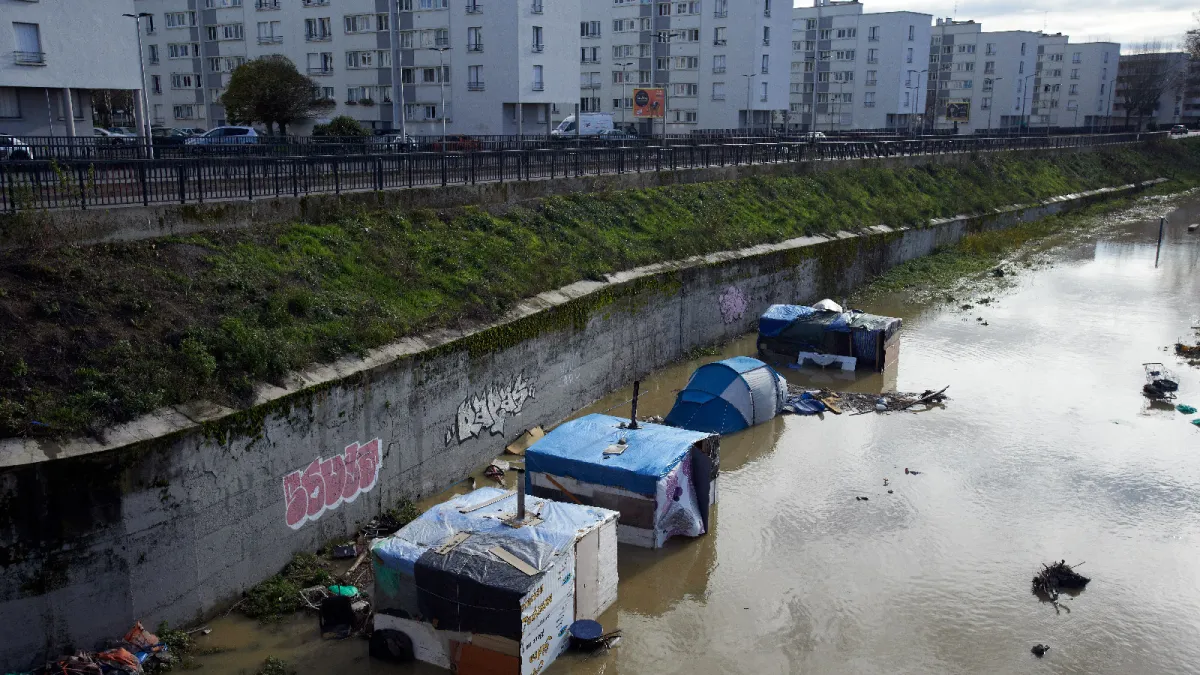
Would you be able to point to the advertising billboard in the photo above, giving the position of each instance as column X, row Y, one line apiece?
column 649, row 102
column 959, row 111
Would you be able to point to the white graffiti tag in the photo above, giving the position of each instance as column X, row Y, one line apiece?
column 488, row 410
column 733, row 304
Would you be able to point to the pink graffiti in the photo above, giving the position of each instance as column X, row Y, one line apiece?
column 326, row 484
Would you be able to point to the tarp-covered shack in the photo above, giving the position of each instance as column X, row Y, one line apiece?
column 662, row 480
column 728, row 396
column 475, row 594
column 795, row 331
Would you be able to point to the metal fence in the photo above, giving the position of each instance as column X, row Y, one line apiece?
column 85, row 184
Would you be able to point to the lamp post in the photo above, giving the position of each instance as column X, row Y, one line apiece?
column 442, row 88
column 749, row 83
column 918, row 99
column 992, row 103
column 397, row 73
column 624, row 81
column 1023, row 95
column 659, row 37
column 137, row 19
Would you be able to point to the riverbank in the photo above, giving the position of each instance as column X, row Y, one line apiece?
column 98, row 335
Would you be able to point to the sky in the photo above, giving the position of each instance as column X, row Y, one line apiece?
column 1129, row 22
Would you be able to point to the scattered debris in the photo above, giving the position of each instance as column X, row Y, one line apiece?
column 519, row 446
column 911, row 473
column 857, row 403
column 1057, row 576
column 1160, row 382
column 138, row 651
column 1193, row 227
column 1186, row 409
column 1039, row 650
column 588, row 636
column 862, row 499
column 889, row 492
column 998, row 272
column 494, row 472
column 885, row 482
column 344, row 551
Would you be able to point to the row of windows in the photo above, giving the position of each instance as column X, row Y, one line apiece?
column 873, row 32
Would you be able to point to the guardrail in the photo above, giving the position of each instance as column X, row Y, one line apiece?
column 103, row 183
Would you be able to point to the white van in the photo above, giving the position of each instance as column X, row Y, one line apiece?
column 593, row 124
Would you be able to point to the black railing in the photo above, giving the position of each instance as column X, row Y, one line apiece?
column 96, row 183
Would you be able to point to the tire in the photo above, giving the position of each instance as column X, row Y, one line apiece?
column 391, row 645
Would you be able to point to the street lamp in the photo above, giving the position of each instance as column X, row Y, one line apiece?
column 1023, row 95
column 398, row 121
column 992, row 103
column 749, row 82
column 658, row 37
column 137, row 19
column 442, row 89
column 918, row 99
column 624, row 81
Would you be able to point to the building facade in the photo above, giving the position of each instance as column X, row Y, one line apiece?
column 980, row 80
column 479, row 67
column 723, row 63
column 50, row 70
column 855, row 70
column 1074, row 84
column 1173, row 75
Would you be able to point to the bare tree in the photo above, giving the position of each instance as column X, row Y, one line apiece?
column 1144, row 78
column 1191, row 41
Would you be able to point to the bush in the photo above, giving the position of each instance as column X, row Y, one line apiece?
column 279, row 596
column 341, row 125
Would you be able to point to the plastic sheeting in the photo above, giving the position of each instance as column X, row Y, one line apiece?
column 728, row 396
column 576, row 449
column 778, row 317
column 792, row 329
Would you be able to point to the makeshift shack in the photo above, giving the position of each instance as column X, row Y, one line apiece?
column 662, row 480
column 477, row 594
column 728, row 396
column 851, row 339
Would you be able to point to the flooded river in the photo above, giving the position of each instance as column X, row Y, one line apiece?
column 1047, row 450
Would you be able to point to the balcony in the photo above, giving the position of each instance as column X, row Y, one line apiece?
column 589, row 85
column 721, row 14
column 270, row 39
column 316, row 3
column 29, row 58
column 474, row 8
column 318, row 37
column 764, row 71
column 764, row 97
column 474, row 86
column 720, row 43
column 320, row 70
column 718, row 97
column 868, row 104
column 873, row 38
column 718, row 69
column 266, row 5
column 766, row 42
column 872, row 83
column 539, row 86
column 872, row 60
column 537, row 49
column 767, row 14
column 474, row 46
column 441, row 43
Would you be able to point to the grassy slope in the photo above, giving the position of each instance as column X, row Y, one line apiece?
column 94, row 335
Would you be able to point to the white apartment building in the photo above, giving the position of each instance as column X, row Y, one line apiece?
column 980, row 80
column 493, row 64
column 723, row 63
column 53, row 58
column 855, row 70
column 1074, row 83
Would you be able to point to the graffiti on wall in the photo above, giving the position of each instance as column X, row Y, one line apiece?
column 328, row 483
column 487, row 410
column 733, row 304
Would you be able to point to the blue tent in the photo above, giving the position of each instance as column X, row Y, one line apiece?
column 729, row 396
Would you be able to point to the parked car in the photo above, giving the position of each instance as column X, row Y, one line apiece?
column 193, row 131
column 456, row 143
column 593, row 124
column 615, row 136
column 1179, row 130
column 222, row 136
column 394, row 142
column 107, row 138
column 123, row 131
column 815, row 136
column 14, row 148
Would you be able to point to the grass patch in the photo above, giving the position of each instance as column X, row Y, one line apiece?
column 275, row 666
column 96, row 335
column 279, row 596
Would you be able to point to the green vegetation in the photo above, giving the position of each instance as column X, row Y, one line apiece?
column 342, row 125
column 96, row 335
column 279, row 596
column 275, row 666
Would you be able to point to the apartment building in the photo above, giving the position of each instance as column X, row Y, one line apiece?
column 856, row 70
column 49, row 67
column 980, row 80
column 477, row 67
column 1175, row 72
column 722, row 67
column 1074, row 82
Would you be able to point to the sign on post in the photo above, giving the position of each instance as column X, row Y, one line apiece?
column 650, row 103
column 958, row 111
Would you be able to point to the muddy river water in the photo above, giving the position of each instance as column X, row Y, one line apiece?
column 1046, row 451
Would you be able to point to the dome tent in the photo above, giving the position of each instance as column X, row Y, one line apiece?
column 728, row 396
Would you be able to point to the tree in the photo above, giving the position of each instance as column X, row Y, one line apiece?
column 1191, row 41
column 341, row 125
column 1144, row 78
column 270, row 90
column 106, row 103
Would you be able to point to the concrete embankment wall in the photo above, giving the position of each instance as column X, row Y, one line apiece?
column 128, row 223
column 173, row 516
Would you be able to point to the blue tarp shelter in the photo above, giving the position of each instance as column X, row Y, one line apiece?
column 729, row 396
column 792, row 329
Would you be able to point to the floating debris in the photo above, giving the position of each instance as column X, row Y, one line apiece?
column 1039, row 650
column 1057, row 576
column 857, row 403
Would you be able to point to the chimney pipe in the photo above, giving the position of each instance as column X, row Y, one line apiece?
column 520, row 495
column 633, row 411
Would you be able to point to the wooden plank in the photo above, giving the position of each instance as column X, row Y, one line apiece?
column 489, row 502
column 522, row 566
column 452, row 542
column 564, row 490
column 587, row 575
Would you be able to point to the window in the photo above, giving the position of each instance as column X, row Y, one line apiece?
column 844, row 55
column 1076, row 57
column 990, row 49
column 985, row 102
column 188, row 112
column 317, row 30
column 591, row 29
column 766, row 7
column 266, row 4
column 869, row 99
column 29, row 44
column 912, row 33
column 721, row 9
column 664, row 9
column 766, row 35
column 592, row 54
column 872, row 77
column 185, row 80
column 432, row 4
column 691, row 35
column 475, row 39
column 539, row 83
column 1021, row 68
column 435, row 75
column 987, row 84
column 591, row 104
column 539, row 43
column 184, row 50
column 989, row 67
column 684, row 89
column 624, row 25
column 719, row 36
column 719, row 63
column 873, row 34
column 907, row 102
column 474, row 78
column 225, row 64
column 149, row 23
column 1022, row 49
column 218, row 4
column 1074, row 73
column 152, row 54
column 718, row 91
column 619, row 52
column 1106, row 57
column 766, row 64
column 966, row 49
column 359, row 23
column 227, row 31
column 156, row 84
column 181, row 19
column 320, row 63
column 685, row 63
column 270, row 32
column 810, row 24
column 968, row 67
column 365, row 59
column 846, row 33
column 872, row 56
column 908, row 57
column 825, row 34
column 762, row 93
